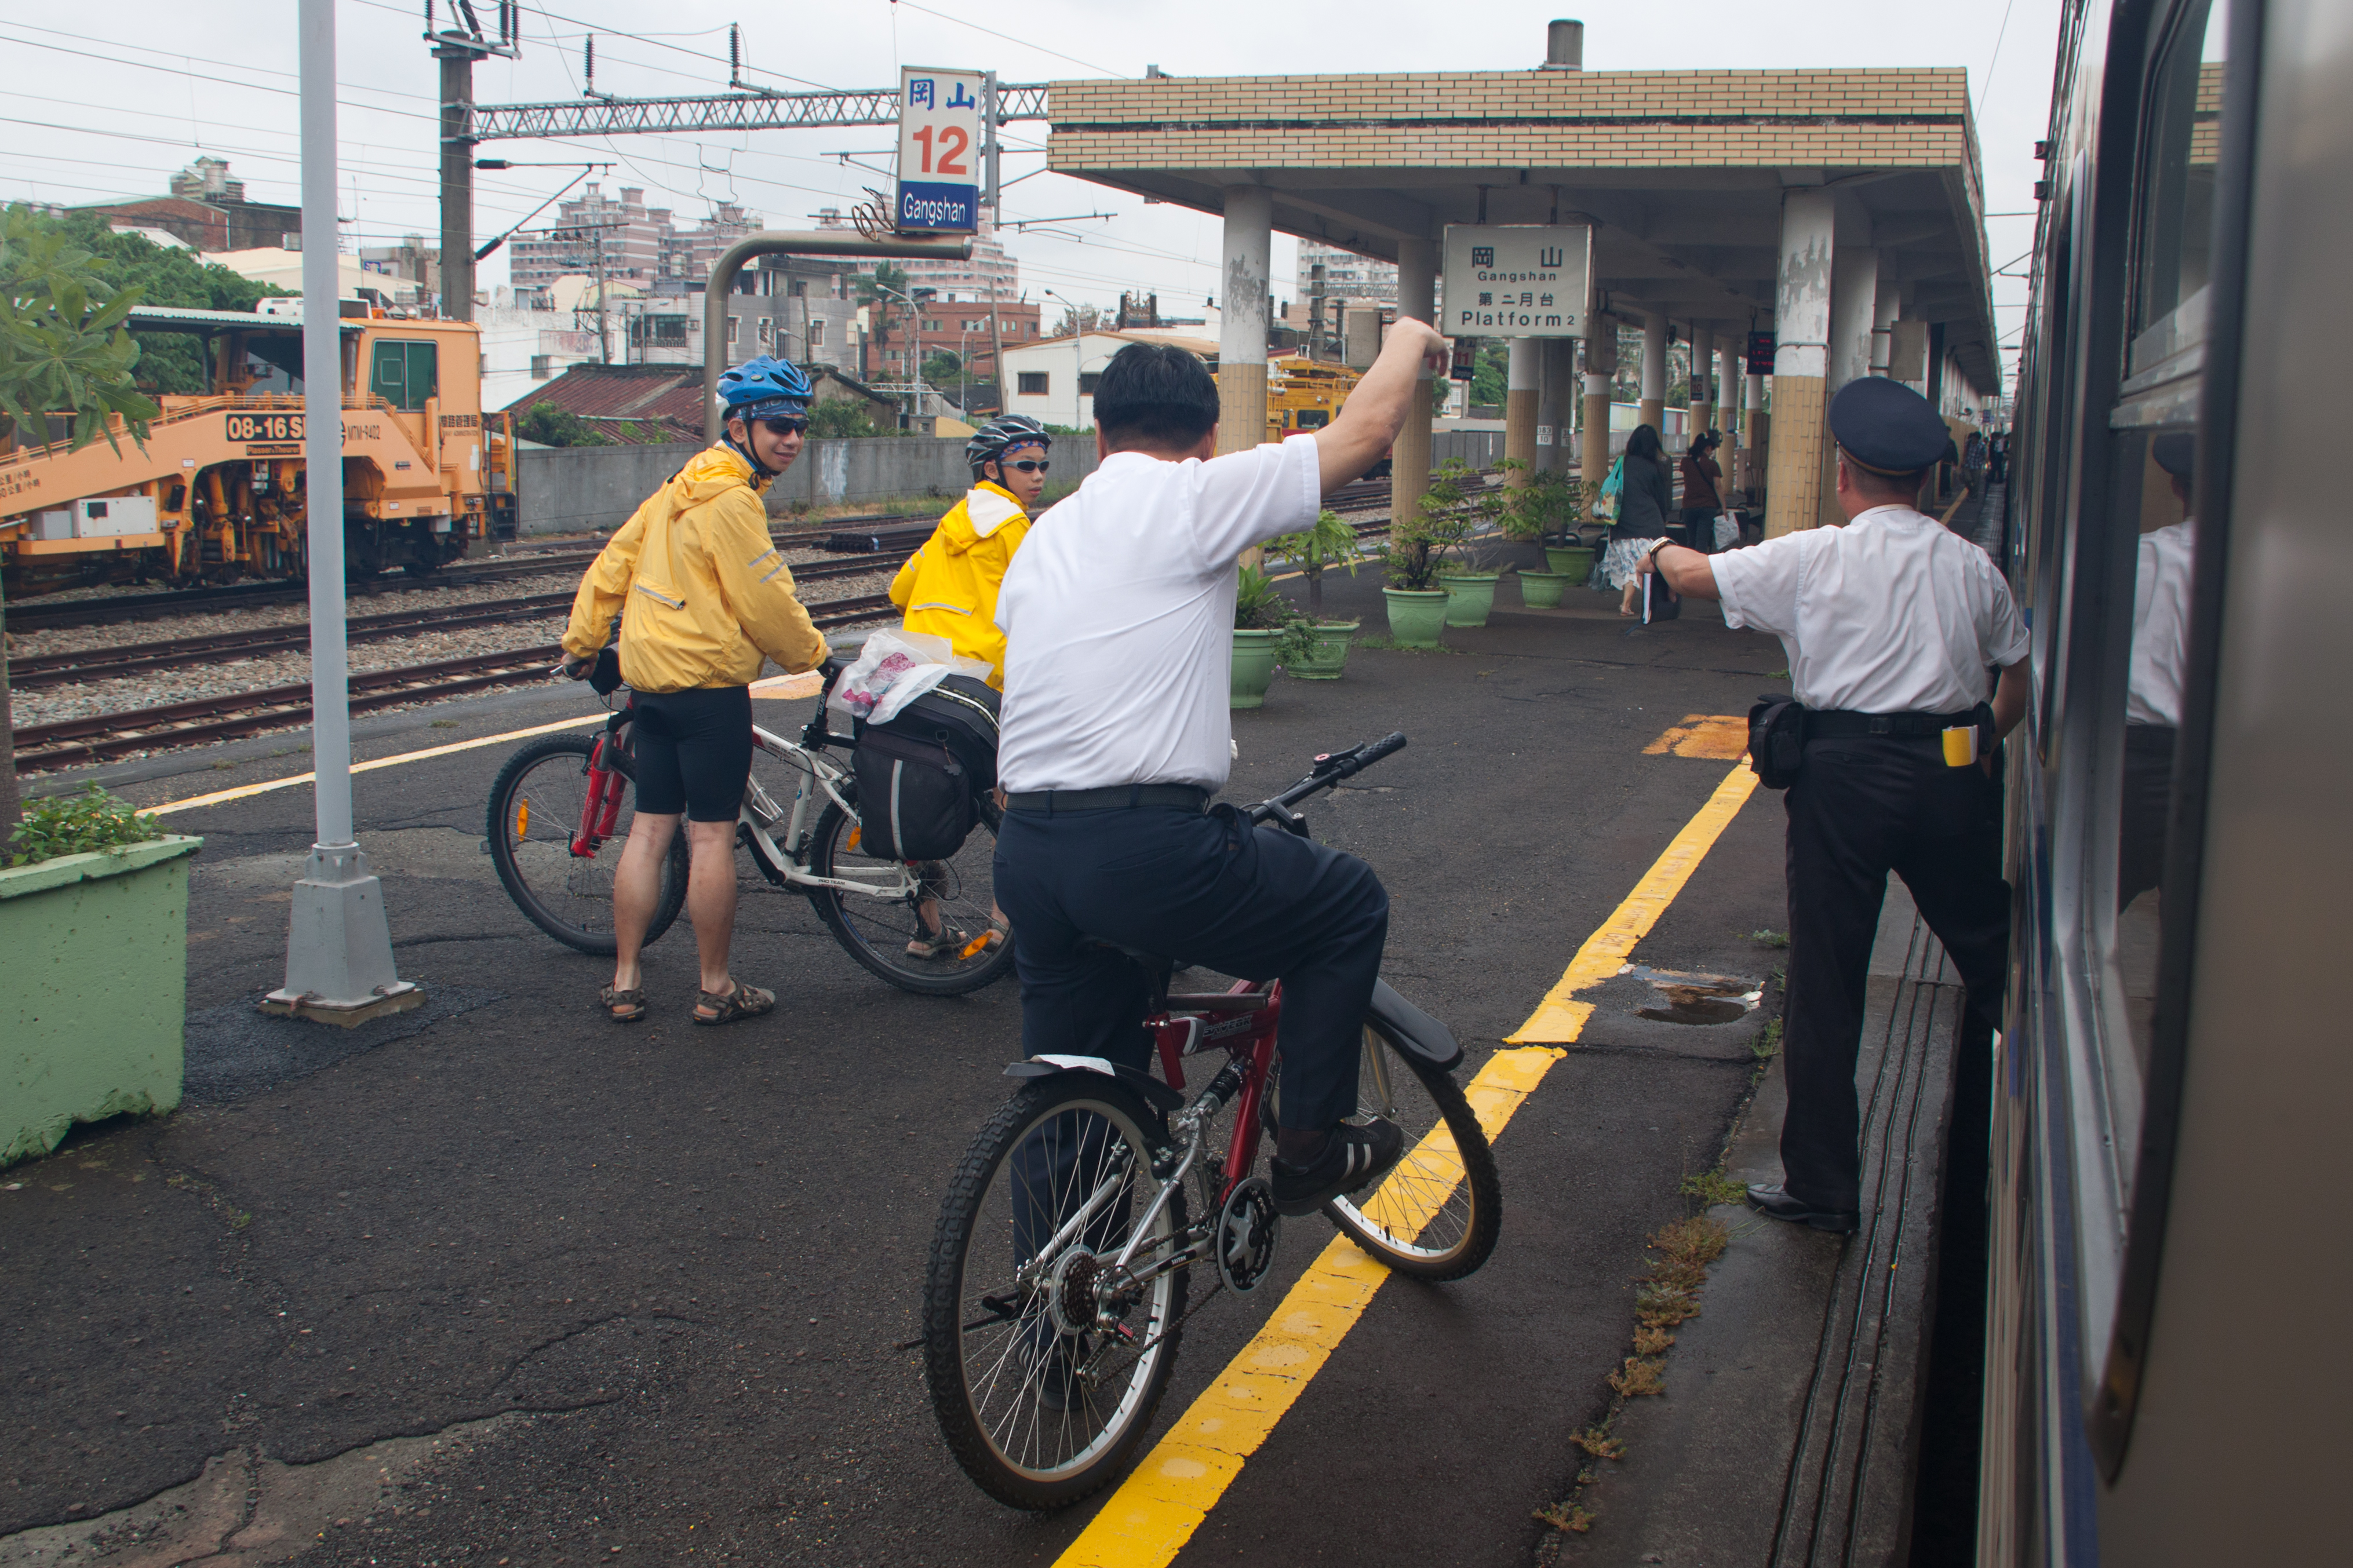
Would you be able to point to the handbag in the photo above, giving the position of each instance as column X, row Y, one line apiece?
column 1777, row 740
column 1605, row 505
column 1727, row 529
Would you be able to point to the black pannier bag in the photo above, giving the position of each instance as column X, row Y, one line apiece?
column 921, row 775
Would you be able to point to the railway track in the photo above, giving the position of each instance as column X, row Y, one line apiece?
column 72, row 742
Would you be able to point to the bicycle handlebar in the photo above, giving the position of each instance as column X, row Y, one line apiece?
column 1331, row 768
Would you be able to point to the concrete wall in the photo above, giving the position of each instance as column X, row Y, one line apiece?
column 572, row 490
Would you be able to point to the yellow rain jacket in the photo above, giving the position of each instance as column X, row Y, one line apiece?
column 701, row 590
column 948, row 588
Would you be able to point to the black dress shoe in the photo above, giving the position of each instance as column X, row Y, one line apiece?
column 1780, row 1204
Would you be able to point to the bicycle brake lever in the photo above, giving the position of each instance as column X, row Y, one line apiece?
column 1286, row 818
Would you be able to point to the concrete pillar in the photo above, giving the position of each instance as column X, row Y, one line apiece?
column 1523, row 394
column 1654, row 372
column 1727, row 407
column 1801, row 316
column 1703, row 350
column 1600, row 368
column 1756, row 431
column 1888, row 305
column 1854, row 305
column 1417, row 300
column 1241, row 333
column 1557, row 407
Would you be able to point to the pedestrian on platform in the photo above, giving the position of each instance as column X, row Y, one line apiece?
column 1645, row 497
column 703, row 596
column 1973, row 463
column 1890, row 623
column 1997, row 460
column 949, row 587
column 1702, row 491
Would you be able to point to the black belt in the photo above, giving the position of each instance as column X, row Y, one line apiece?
column 1116, row 797
column 1840, row 725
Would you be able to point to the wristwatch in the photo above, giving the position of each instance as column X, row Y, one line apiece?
column 1651, row 562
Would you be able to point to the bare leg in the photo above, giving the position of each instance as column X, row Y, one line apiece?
column 1631, row 602
column 637, row 888
column 711, row 900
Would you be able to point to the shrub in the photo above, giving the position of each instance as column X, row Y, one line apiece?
column 77, row 825
column 1329, row 542
column 1261, row 606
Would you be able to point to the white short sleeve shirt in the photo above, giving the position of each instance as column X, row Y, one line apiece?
column 2161, row 635
column 1893, row 613
column 1118, row 615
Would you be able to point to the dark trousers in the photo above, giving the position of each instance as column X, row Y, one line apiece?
column 1861, row 808
column 1202, row 888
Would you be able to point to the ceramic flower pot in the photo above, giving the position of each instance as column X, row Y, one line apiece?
column 1570, row 561
column 1470, row 598
column 1417, row 615
column 1254, row 667
column 1330, row 654
column 1542, row 590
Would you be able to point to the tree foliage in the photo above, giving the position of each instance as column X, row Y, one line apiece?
column 168, row 362
column 63, row 349
column 553, row 426
column 834, row 417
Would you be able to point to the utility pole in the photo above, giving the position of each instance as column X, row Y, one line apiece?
column 988, row 122
column 457, row 48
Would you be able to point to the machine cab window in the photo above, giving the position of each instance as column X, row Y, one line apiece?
column 404, row 373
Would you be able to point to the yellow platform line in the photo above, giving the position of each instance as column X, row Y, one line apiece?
column 1166, row 1497
column 222, row 797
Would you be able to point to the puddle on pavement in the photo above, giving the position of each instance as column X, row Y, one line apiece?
column 1687, row 998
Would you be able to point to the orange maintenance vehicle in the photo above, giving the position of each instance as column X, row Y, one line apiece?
column 218, row 489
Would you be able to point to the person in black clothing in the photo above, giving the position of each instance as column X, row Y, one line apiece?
column 1645, row 496
column 1702, row 491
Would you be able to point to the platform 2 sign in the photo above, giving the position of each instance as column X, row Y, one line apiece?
column 940, row 148
column 1515, row 280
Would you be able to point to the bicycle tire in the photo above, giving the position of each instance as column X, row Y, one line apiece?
column 876, row 932
column 965, row 1363
column 560, row 913
column 1436, row 1214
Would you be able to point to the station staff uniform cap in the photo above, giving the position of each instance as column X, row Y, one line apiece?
column 1887, row 428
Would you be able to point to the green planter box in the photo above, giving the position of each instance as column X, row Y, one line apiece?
column 1570, row 561
column 1542, row 590
column 1253, row 668
column 93, row 989
column 1470, row 598
column 1330, row 654
column 1417, row 615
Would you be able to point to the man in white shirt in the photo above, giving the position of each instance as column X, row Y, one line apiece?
column 1890, row 623
column 1118, row 615
column 2161, row 640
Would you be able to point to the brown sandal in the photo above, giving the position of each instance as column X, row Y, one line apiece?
column 634, row 1000
column 742, row 1001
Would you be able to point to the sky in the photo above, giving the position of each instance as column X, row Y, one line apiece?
column 96, row 111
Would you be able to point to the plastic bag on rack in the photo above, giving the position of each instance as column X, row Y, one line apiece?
column 894, row 667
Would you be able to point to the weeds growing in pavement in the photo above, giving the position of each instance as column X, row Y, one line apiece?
column 1571, row 1517
column 1766, row 936
column 1597, row 1442
column 1652, row 1341
column 1641, row 1374
column 1710, row 1187
column 1767, row 1044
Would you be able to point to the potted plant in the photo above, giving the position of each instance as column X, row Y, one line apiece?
column 1456, row 510
column 1417, row 604
column 1330, row 542
column 1540, row 512
column 1267, row 631
column 94, row 920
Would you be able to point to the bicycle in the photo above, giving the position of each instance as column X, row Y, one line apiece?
column 1055, row 1294
column 559, row 810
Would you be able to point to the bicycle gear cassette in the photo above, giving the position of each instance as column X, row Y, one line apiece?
column 1247, row 1228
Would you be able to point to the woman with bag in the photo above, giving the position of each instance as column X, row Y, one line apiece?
column 1644, row 497
column 1703, row 490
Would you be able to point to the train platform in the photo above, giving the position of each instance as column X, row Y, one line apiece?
column 495, row 1281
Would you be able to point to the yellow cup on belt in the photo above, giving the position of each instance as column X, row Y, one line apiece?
column 1961, row 746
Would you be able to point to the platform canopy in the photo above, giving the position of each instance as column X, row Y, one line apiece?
column 1683, row 172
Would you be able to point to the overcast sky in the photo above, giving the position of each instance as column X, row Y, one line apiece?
column 86, row 117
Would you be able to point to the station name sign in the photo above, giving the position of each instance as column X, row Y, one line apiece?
column 940, row 148
column 1517, row 280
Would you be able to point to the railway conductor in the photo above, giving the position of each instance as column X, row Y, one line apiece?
column 1891, row 624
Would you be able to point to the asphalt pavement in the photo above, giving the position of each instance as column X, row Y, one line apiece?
column 643, row 1287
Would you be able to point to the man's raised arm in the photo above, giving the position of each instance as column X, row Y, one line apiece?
column 1376, row 411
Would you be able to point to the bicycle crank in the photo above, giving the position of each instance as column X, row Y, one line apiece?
column 1248, row 1229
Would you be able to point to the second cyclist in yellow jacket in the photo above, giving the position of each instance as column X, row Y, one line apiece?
column 948, row 588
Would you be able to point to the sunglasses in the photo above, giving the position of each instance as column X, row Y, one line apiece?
column 782, row 425
column 1029, row 464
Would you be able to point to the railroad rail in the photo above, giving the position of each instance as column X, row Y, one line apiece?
column 71, row 742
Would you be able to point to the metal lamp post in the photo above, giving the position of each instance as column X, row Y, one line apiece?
column 1079, row 366
column 339, row 966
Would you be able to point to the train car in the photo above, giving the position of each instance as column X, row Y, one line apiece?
column 217, row 489
column 2167, row 1380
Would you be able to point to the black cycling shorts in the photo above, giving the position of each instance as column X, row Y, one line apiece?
column 693, row 752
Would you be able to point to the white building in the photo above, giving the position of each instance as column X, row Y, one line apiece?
column 1053, row 379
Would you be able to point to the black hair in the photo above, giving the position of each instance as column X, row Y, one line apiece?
column 1643, row 443
column 1155, row 394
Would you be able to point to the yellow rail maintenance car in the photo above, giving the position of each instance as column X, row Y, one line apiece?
column 218, row 491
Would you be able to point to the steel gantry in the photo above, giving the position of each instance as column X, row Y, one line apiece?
column 729, row 112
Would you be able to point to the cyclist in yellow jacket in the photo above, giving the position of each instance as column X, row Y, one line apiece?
column 702, row 596
column 948, row 588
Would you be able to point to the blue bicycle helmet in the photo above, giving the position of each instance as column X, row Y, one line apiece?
column 763, row 387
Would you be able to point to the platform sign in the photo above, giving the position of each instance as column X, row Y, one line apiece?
column 1760, row 353
column 1514, row 280
column 941, row 150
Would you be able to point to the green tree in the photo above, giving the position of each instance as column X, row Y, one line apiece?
column 1490, row 373
column 835, row 417
column 883, row 291
column 168, row 362
column 63, row 351
column 943, row 369
column 552, row 426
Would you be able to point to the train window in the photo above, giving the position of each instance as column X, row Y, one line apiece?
column 404, row 373
column 2176, row 215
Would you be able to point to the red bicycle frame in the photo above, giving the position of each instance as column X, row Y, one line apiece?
column 602, row 809
column 1241, row 1020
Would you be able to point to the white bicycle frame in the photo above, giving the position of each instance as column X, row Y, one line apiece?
column 822, row 780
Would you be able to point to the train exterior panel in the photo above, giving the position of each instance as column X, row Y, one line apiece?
column 219, row 480
column 2171, row 1082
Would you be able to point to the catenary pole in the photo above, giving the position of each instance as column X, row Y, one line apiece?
column 339, row 966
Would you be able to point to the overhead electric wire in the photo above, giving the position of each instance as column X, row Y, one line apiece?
column 1025, row 43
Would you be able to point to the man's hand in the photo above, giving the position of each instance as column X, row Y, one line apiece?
column 1687, row 571
column 575, row 668
column 1377, row 410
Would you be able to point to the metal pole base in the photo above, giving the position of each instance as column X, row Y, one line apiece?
column 339, row 967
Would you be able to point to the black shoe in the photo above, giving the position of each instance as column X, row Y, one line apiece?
column 1777, row 1202
column 1353, row 1158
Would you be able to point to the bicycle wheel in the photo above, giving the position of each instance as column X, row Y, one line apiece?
column 911, row 908
column 1434, row 1216
column 535, row 806
column 1044, row 1369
